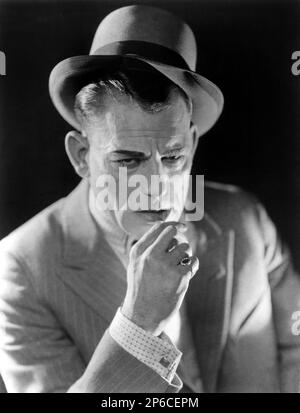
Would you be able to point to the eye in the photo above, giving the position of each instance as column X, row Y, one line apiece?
column 129, row 163
column 173, row 159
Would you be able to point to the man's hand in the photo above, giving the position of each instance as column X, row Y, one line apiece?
column 156, row 279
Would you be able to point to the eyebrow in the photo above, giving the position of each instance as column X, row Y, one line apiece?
column 177, row 149
column 134, row 154
column 141, row 155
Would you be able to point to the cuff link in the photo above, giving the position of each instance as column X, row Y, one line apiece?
column 164, row 362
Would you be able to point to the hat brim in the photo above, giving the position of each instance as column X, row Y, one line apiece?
column 70, row 75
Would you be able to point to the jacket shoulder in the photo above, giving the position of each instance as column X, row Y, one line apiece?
column 230, row 205
column 38, row 237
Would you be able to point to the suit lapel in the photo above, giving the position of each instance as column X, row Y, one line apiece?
column 101, row 284
column 89, row 265
column 208, row 301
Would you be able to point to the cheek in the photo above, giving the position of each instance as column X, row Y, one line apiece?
column 180, row 187
column 189, row 162
column 104, row 179
column 97, row 167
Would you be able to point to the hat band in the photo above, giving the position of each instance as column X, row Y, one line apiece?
column 147, row 50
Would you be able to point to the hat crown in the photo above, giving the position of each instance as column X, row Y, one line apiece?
column 147, row 24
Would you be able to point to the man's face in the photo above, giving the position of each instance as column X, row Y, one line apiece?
column 143, row 144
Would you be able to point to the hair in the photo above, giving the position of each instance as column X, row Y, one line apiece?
column 151, row 90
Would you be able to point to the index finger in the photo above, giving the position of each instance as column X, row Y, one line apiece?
column 150, row 236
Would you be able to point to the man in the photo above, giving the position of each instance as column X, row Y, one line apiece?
column 97, row 299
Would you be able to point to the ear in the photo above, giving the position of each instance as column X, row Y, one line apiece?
column 77, row 147
column 195, row 135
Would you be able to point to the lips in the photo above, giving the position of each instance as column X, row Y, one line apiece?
column 155, row 215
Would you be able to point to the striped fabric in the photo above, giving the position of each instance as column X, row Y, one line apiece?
column 61, row 285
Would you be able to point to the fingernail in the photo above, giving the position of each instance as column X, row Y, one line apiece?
column 182, row 227
column 181, row 224
column 182, row 230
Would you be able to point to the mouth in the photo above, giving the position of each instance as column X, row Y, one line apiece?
column 154, row 215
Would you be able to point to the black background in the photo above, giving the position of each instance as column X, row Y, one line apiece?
column 245, row 47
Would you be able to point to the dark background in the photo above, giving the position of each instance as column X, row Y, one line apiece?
column 245, row 47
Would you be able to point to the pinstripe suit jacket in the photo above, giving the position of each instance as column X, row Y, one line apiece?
column 61, row 283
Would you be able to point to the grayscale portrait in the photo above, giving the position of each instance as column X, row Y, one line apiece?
column 149, row 197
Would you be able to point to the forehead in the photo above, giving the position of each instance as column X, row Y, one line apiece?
column 124, row 124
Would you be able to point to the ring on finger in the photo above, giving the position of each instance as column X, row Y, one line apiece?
column 185, row 261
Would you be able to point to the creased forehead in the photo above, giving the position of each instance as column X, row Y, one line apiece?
column 124, row 112
column 125, row 120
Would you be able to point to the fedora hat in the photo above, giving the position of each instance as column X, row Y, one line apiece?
column 144, row 37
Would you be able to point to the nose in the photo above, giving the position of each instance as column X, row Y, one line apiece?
column 156, row 178
column 153, row 167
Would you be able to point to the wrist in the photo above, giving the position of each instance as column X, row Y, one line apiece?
column 142, row 322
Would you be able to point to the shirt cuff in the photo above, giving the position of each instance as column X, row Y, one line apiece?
column 158, row 353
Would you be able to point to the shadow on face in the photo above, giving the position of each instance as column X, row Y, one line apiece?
column 146, row 156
